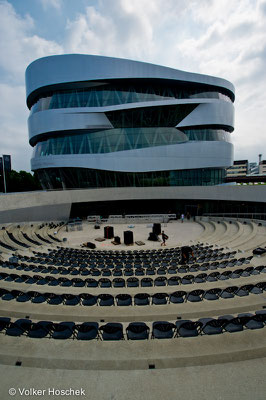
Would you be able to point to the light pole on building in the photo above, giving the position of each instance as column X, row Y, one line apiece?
column 4, row 174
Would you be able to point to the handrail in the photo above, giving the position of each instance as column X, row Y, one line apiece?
column 261, row 216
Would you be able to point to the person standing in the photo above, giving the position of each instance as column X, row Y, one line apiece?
column 186, row 252
column 182, row 218
column 164, row 238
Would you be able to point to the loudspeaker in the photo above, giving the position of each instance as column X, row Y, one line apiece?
column 128, row 237
column 153, row 237
column 156, row 229
column 108, row 232
column 90, row 245
column 117, row 239
column 259, row 251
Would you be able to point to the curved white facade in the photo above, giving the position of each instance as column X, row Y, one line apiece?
column 100, row 121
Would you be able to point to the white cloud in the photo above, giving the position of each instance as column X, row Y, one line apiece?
column 56, row 4
column 14, row 135
column 18, row 46
column 221, row 38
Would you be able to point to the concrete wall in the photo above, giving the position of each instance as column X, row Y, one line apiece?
column 56, row 205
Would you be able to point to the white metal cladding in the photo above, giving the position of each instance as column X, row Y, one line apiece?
column 65, row 119
column 80, row 68
column 190, row 155
column 208, row 111
column 216, row 112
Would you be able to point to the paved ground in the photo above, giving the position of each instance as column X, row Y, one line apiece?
column 177, row 232
column 232, row 381
column 217, row 380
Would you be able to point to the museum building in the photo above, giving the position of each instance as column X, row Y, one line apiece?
column 99, row 122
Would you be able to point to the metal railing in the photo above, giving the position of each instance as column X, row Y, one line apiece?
column 240, row 215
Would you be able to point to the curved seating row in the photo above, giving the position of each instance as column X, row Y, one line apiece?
column 135, row 330
column 125, row 299
column 152, row 263
column 117, row 281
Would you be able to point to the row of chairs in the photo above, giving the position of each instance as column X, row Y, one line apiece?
column 134, row 281
column 135, row 330
column 120, row 269
column 76, row 254
column 127, row 272
column 95, row 260
column 125, row 299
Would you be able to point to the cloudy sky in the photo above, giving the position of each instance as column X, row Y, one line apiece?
column 224, row 38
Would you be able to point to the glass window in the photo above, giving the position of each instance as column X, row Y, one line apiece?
column 90, row 178
column 124, row 91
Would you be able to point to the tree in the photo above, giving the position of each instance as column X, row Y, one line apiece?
column 21, row 181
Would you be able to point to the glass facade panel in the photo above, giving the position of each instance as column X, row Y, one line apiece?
column 56, row 178
column 207, row 134
column 112, row 140
column 123, row 93
column 150, row 116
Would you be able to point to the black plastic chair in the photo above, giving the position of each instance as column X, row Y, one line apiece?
column 123, row 299
column 62, row 330
column 112, row 331
column 19, row 327
column 195, row 295
column 142, row 299
column 88, row 299
column 188, row 328
column 54, row 299
column 163, row 330
column 71, row 299
column 105, row 300
column 137, row 331
column 105, row 283
column 128, row 272
column 244, row 290
column 187, row 280
column 213, row 276
column 132, row 282
column 253, row 321
column 36, row 297
column 90, row 282
column 178, row 297
column 229, row 292
column 87, row 331
column 4, row 323
column 151, row 271
column 65, row 282
column 78, row 282
column 233, row 325
column 160, row 281
column 214, row 326
column 200, row 278
column 159, row 298
column 117, row 272
column 40, row 329
column 212, row 294
column 146, row 282
column 119, row 282
column 162, row 271
column 10, row 295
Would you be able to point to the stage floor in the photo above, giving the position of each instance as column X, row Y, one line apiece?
column 179, row 233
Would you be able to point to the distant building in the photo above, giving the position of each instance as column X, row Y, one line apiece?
column 239, row 168
column 262, row 167
column 253, row 168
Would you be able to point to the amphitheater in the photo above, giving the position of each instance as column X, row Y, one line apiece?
column 130, row 321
